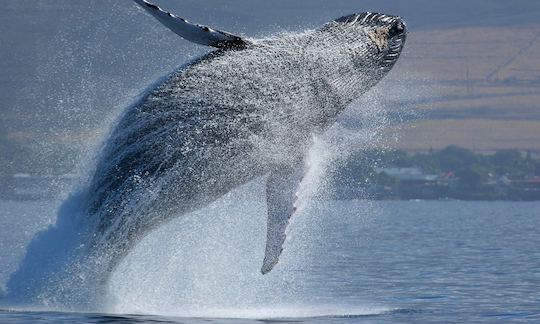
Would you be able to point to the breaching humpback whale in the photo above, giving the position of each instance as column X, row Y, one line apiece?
column 245, row 110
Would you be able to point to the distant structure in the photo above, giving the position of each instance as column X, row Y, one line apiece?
column 469, row 82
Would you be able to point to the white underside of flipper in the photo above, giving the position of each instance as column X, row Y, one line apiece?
column 193, row 32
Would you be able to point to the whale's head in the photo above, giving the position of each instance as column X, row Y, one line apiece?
column 364, row 46
column 373, row 40
column 344, row 59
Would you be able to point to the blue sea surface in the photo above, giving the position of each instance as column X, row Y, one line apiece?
column 369, row 262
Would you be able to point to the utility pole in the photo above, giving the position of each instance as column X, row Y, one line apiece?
column 469, row 82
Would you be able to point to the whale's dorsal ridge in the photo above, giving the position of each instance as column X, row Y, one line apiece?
column 195, row 33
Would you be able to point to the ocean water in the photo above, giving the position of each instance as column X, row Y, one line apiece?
column 344, row 262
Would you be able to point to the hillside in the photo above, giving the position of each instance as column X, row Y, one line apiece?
column 477, row 87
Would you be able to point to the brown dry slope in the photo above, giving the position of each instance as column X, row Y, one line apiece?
column 484, row 88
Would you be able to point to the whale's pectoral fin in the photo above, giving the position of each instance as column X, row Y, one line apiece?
column 281, row 194
column 193, row 32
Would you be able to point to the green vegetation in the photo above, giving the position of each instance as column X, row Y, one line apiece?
column 453, row 172
column 511, row 163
